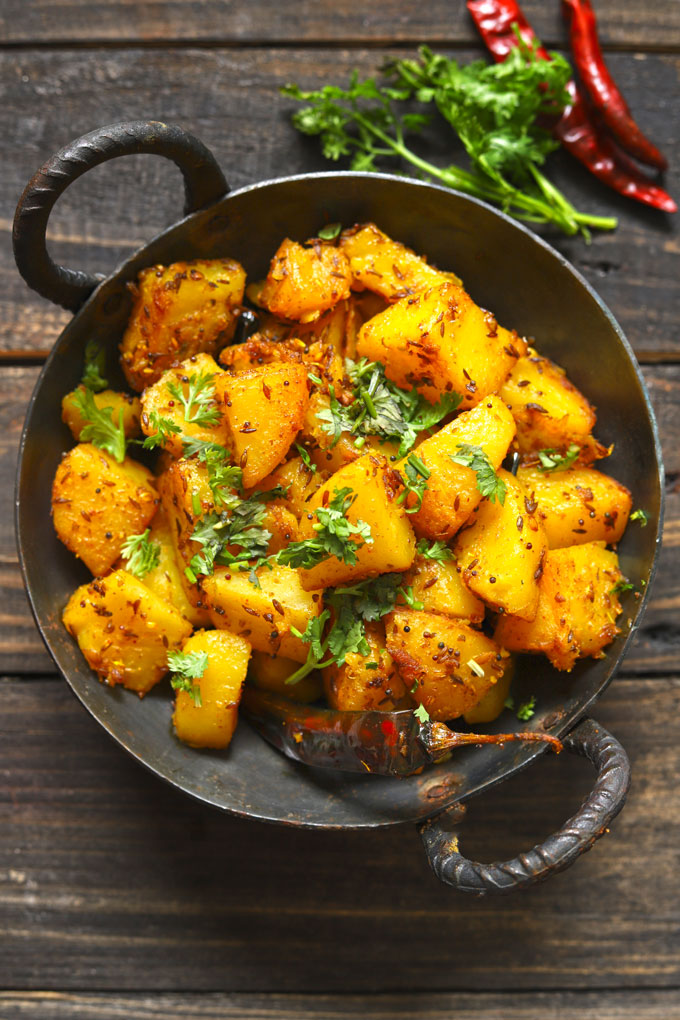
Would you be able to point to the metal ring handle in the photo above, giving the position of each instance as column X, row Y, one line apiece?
column 558, row 851
column 204, row 183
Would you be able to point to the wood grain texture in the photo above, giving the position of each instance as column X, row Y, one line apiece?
column 656, row 647
column 230, row 99
column 111, row 881
column 234, row 21
column 652, row 1004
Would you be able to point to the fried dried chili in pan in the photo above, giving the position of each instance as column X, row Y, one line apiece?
column 383, row 743
column 601, row 87
column 576, row 128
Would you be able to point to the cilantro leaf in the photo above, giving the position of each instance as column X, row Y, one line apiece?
column 239, row 527
column 95, row 365
column 370, row 599
column 198, row 402
column 163, row 429
column 306, row 459
column 187, row 667
column 223, row 478
column 141, row 553
column 437, row 551
column 421, row 714
column 620, row 587
column 553, row 460
column 410, row 599
column 640, row 515
column 527, row 710
column 99, row 425
column 330, row 231
column 335, row 535
column 488, row 482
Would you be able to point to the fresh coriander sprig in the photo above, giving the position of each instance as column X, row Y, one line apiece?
column 95, row 366
column 100, row 428
column 198, row 402
column 488, row 482
column 437, row 551
column 640, row 515
column 415, row 482
column 142, row 554
column 494, row 109
column 527, row 710
column 223, row 477
column 187, row 667
column 335, row 535
column 163, row 428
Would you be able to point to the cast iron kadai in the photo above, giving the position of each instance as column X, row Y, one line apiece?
column 506, row 268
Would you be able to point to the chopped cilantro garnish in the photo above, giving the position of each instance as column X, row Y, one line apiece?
column 330, row 231
column 410, row 599
column 415, row 482
column 421, row 714
column 527, row 709
column 163, row 429
column 335, row 535
column 187, row 667
column 552, row 460
column 306, row 459
column 620, row 587
column 488, row 482
column 141, row 553
column 198, row 402
column 640, row 515
column 437, row 551
column 95, row 363
column 223, row 477
column 99, row 425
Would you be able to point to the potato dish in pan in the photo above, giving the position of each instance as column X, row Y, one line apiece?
column 329, row 511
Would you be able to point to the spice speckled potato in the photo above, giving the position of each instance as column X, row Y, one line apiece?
column 209, row 718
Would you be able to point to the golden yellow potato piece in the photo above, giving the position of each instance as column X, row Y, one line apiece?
column 452, row 494
column 178, row 311
column 446, row 665
column 577, row 608
column 124, row 630
column 305, row 281
column 440, row 341
column 549, row 410
column 392, row 544
column 264, row 615
column 130, row 406
column 578, row 505
column 97, row 503
column 166, row 579
column 501, row 549
column 263, row 410
column 385, row 266
column 270, row 672
column 259, row 350
column 493, row 702
column 440, row 588
column 186, row 497
column 299, row 481
column 211, row 723
column 195, row 376
column 365, row 683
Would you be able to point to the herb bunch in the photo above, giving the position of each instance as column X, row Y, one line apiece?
column 496, row 111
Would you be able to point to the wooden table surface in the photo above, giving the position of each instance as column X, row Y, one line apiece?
column 121, row 898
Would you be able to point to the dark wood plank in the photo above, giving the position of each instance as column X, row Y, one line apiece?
column 656, row 647
column 231, row 100
column 651, row 1004
column 111, row 881
column 26, row 22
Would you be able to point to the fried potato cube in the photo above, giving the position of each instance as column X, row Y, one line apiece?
column 211, row 723
column 492, row 704
column 501, row 549
column 440, row 341
column 186, row 497
column 97, row 503
column 200, row 372
column 270, row 672
column 578, row 505
column 166, row 579
column 577, row 608
column 282, row 524
column 452, row 493
column 178, row 311
column 264, row 409
column 365, row 683
column 259, row 350
column 300, row 482
column 549, row 410
column 440, row 589
column 125, row 402
column 392, row 544
column 124, row 630
column 266, row 615
column 305, row 281
column 387, row 267
column 446, row 665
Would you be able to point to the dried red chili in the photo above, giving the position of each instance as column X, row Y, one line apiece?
column 576, row 129
column 383, row 743
column 601, row 87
